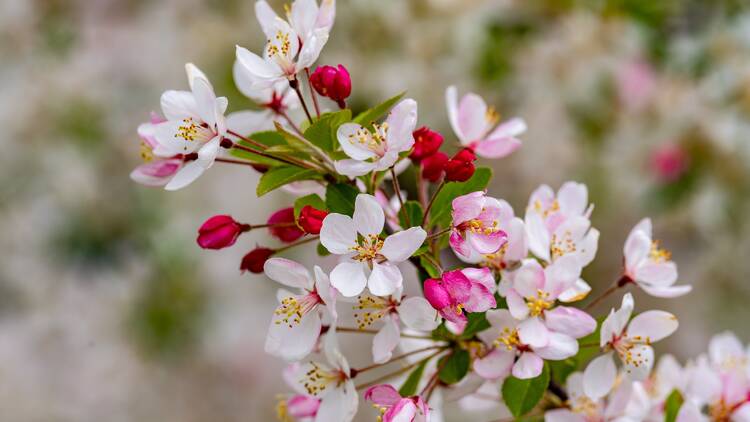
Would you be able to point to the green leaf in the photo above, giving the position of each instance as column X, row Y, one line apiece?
column 312, row 200
column 431, row 269
column 322, row 133
column 414, row 211
column 340, row 198
column 522, row 395
column 268, row 138
column 412, row 382
column 454, row 366
column 322, row 251
column 367, row 117
column 672, row 406
column 280, row 176
column 440, row 213
column 293, row 141
column 476, row 322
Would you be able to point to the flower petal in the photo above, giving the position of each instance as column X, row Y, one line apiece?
column 497, row 147
column 639, row 366
column 401, row 123
column 383, row 394
column 599, row 376
column 338, row 234
column 352, row 145
column 561, row 346
column 529, row 365
column 368, row 215
column 571, row 321
column 480, row 299
column 472, row 117
column 451, row 103
column 386, row 340
column 178, row 105
column 398, row 247
column 349, row 278
column 384, row 279
column 185, row 176
column 417, row 314
column 295, row 342
column 353, row 168
column 288, row 273
column 495, row 365
column 340, row 404
column 573, row 198
column 652, row 326
column 533, row 332
column 661, row 274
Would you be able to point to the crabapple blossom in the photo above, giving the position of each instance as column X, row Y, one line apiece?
column 669, row 162
column 476, row 125
column 476, row 224
column 394, row 408
column 648, row 265
column 391, row 207
column 155, row 171
column 332, row 82
column 470, row 289
column 220, row 231
column 379, row 149
column 367, row 252
column 631, row 341
column 581, row 408
column 301, row 406
column 276, row 100
column 291, row 46
column 283, row 227
column 296, row 326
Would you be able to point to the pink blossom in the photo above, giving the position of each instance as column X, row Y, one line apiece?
column 155, row 171
column 476, row 224
column 394, row 408
column 636, row 84
column 470, row 289
column 669, row 162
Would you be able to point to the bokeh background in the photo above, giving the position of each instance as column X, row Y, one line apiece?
column 110, row 311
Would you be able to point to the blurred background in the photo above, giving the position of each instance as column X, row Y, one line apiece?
column 108, row 308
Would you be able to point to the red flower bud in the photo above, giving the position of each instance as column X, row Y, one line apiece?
column 283, row 226
column 219, row 232
column 436, row 294
column 460, row 168
column 256, row 259
column 311, row 219
column 433, row 166
column 466, row 154
column 332, row 82
column 426, row 143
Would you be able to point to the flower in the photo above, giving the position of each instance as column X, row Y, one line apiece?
column 331, row 382
column 377, row 150
column 426, row 143
column 669, row 162
column 311, row 219
column 195, row 123
column 460, row 168
column 301, row 406
column 632, row 343
column 368, row 252
column 254, row 260
column 220, row 231
column 476, row 224
column 155, row 171
column 276, row 99
column 433, row 166
column 283, row 227
column 296, row 326
column 292, row 45
column 636, row 84
column 332, row 82
column 581, row 408
column 559, row 224
column 474, row 124
column 470, row 289
column 648, row 265
column 394, row 408
column 391, row 208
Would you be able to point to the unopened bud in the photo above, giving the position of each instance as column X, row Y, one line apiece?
column 311, row 219
column 332, row 82
column 220, row 231
column 256, row 259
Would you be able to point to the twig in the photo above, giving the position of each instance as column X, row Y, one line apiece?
column 397, row 189
column 432, row 201
column 397, row 358
column 312, row 92
column 622, row 282
column 294, row 84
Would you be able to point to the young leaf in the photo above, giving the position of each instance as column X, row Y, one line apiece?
column 522, row 395
column 312, row 200
column 280, row 176
column 367, row 117
column 672, row 406
column 322, row 132
column 412, row 382
column 321, row 250
column 440, row 213
column 414, row 211
column 476, row 322
column 454, row 366
column 340, row 198
column 269, row 138
column 428, row 266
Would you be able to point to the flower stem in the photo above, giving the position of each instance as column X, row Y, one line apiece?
column 421, row 191
column 433, row 261
column 312, row 92
column 433, row 382
column 397, row 189
column 622, row 282
column 438, row 234
column 432, row 201
column 366, row 331
column 230, row 161
column 291, row 123
column 396, row 359
column 294, row 84
column 301, row 242
column 287, row 160
column 399, row 372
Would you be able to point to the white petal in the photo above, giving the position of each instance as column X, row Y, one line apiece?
column 178, row 105
column 349, row 278
column 560, row 347
column 652, row 326
column 495, row 365
column 369, row 217
column 667, row 292
column 563, row 415
column 533, row 332
column 599, row 376
column 578, row 291
column 636, row 250
column 257, row 68
column 386, row 340
column 384, row 279
column 573, row 198
column 689, row 412
column 312, row 48
column 639, row 367
column 472, row 117
column 350, row 143
column 451, row 103
column 353, row 168
column 529, row 365
column 516, row 305
column 288, row 273
column 401, row 123
column 340, row 404
column 417, row 314
column 303, row 16
column 539, row 237
column 295, row 342
column 266, row 18
column 326, row 292
column 185, row 176
column 248, row 122
column 398, row 247
column 205, row 100
column 338, row 234
column 661, row 274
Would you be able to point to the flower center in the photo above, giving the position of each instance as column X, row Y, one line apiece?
column 279, row 49
column 562, row 245
column 374, row 141
column 658, row 254
column 147, row 154
column 624, row 347
column 509, row 338
column 537, row 305
column 380, row 307
column 491, row 115
column 192, row 131
column 318, row 378
column 720, row 411
column 293, row 308
column 553, row 207
column 583, row 405
column 368, row 248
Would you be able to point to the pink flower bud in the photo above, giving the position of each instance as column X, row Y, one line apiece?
column 303, row 406
column 220, row 231
column 436, row 294
column 433, row 166
column 426, row 143
column 669, row 162
column 311, row 219
column 332, row 82
column 256, row 259
column 283, row 226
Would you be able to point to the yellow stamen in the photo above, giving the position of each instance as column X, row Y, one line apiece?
column 537, row 305
column 658, row 254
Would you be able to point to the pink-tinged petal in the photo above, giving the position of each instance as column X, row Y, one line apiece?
column 599, row 376
column 640, row 366
column 353, row 168
column 533, row 332
column 472, row 117
column 459, row 245
column 495, row 365
column 303, row 15
column 510, row 128
column 578, row 291
column 467, row 207
column 326, row 292
column 724, row 348
column 349, row 278
column 417, row 314
column 326, row 15
column 340, row 404
column 487, row 243
column 497, row 147
column 667, row 292
column 481, row 275
column 156, row 173
column 398, row 247
column 561, row 346
column 500, row 320
column 573, row 198
column 637, row 248
column 451, row 103
column 563, row 415
column 480, row 300
column 295, row 342
column 561, row 275
column 288, row 273
column 529, row 279
column 615, row 323
column 169, row 144
column 689, row 412
column 436, row 294
column 742, row 413
column 457, row 285
column 368, row 217
column 588, row 246
column 386, row 340
column 661, row 274
column 652, row 326
column 350, row 143
column 185, row 176
column 518, row 242
column 383, row 395
column 539, row 237
column 401, row 123
column 529, row 365
column 404, row 411
column 338, row 234
column 570, row 321
column 384, row 279
column 456, row 316
column 303, row 406
column 516, row 305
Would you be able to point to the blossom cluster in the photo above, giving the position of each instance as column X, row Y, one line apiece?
column 496, row 299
